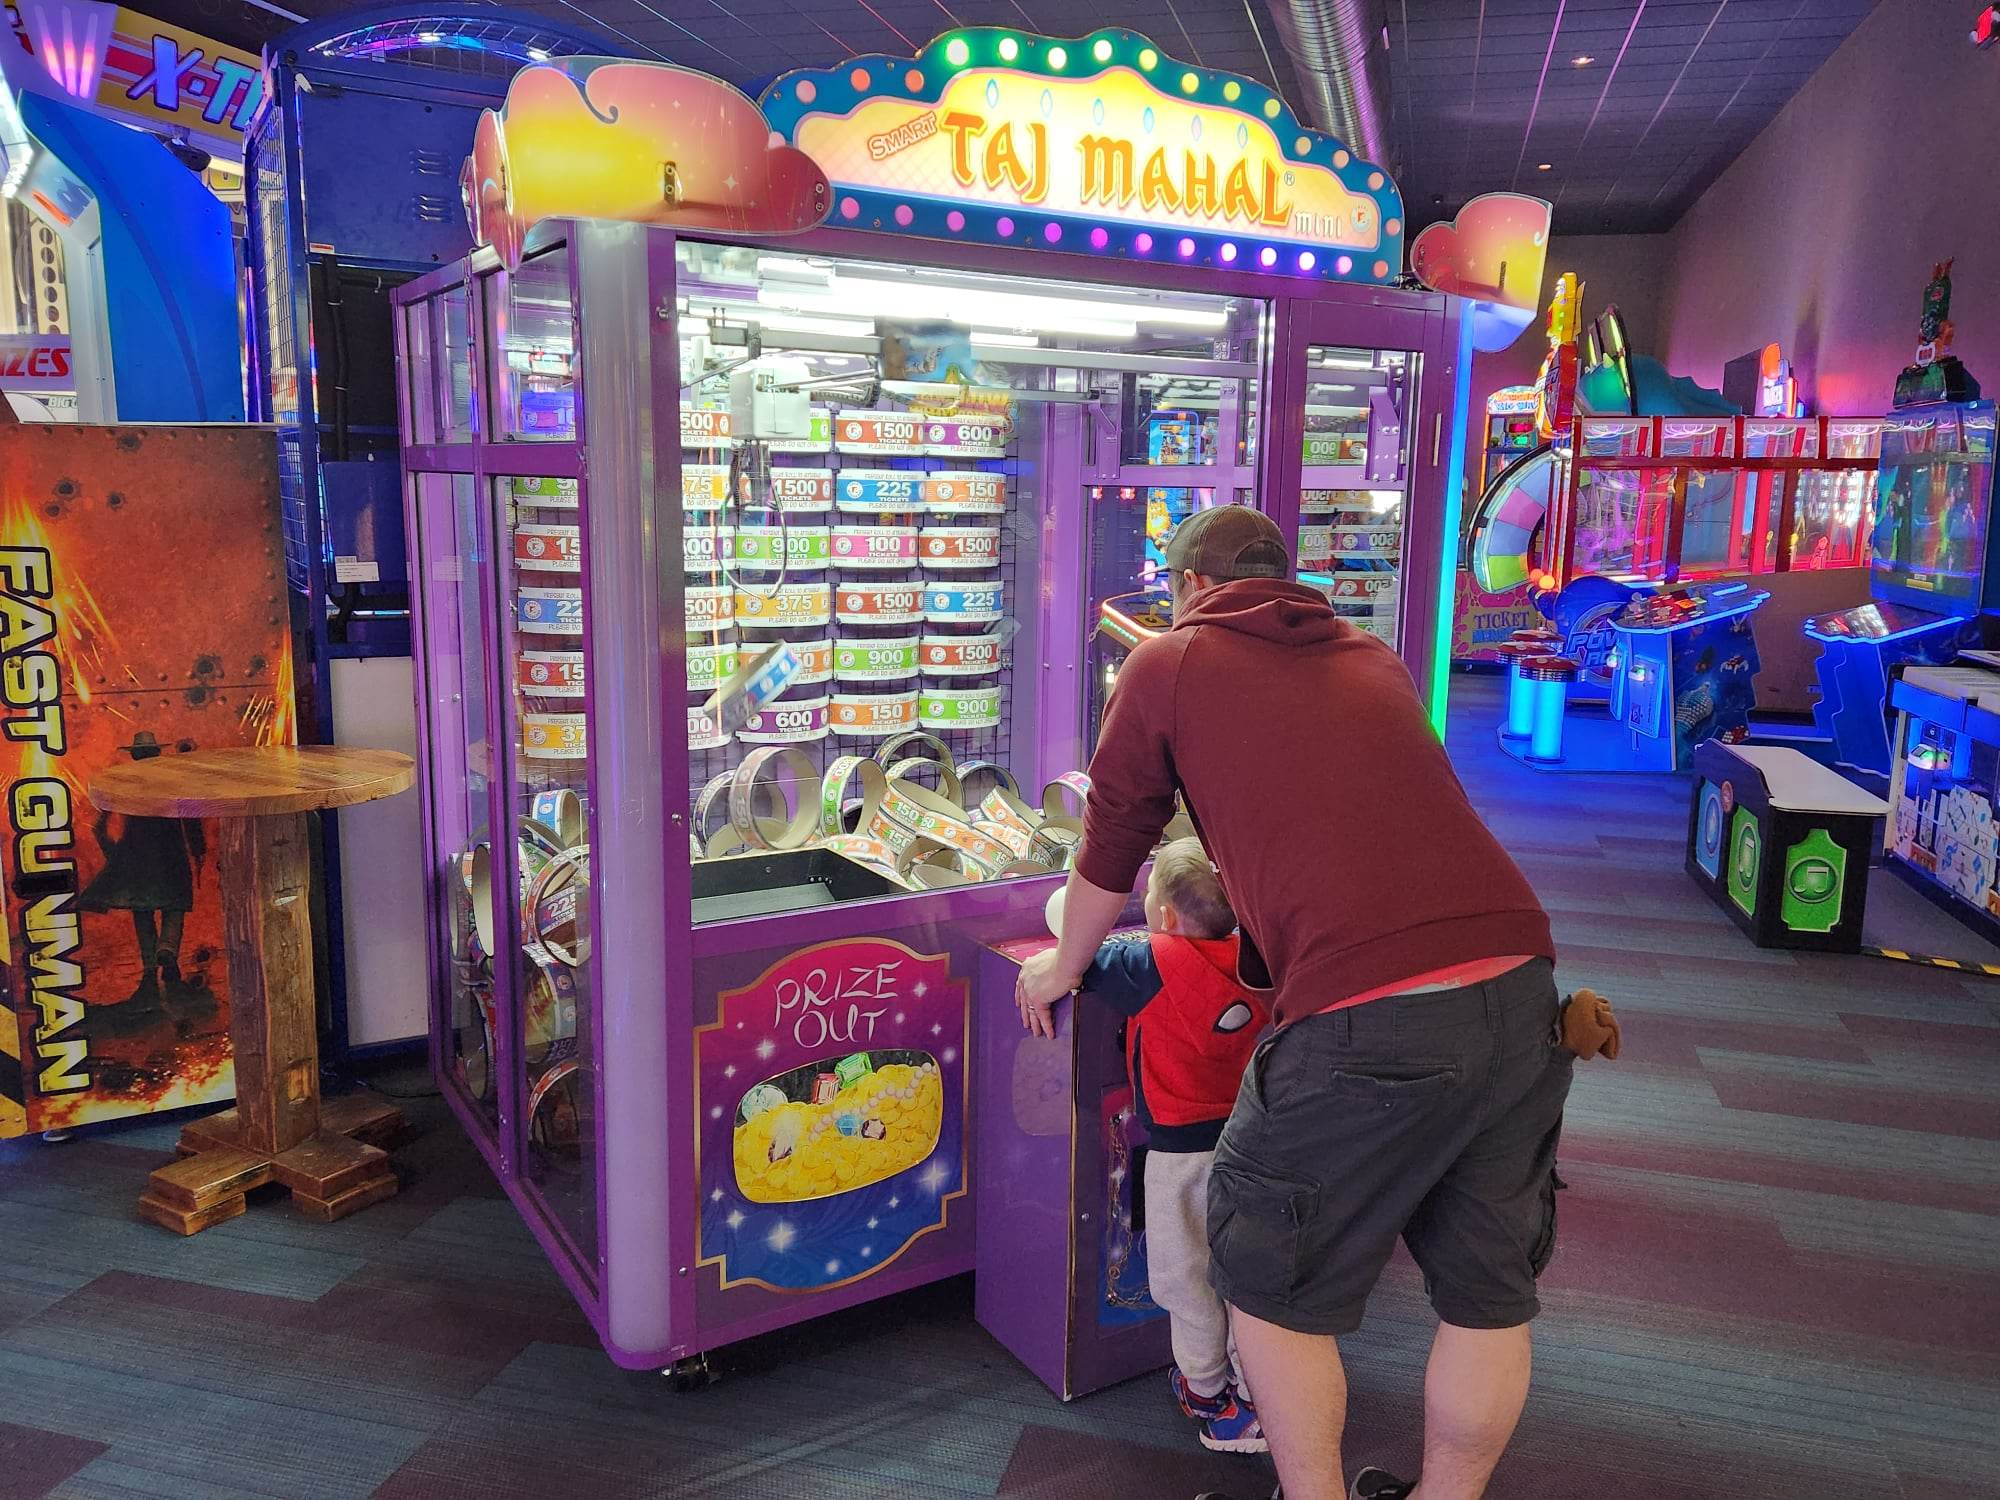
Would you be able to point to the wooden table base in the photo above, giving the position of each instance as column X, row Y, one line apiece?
column 339, row 1170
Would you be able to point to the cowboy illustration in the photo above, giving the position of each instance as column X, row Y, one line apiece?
column 149, row 870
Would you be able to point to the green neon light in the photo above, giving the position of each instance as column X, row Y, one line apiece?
column 1454, row 495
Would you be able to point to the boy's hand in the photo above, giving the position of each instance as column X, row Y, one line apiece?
column 1040, row 985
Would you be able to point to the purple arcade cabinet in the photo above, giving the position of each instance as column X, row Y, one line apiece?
column 720, row 980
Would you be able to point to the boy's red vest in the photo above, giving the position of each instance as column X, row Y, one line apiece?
column 1187, row 1048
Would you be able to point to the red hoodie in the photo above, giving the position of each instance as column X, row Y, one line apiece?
column 1343, row 837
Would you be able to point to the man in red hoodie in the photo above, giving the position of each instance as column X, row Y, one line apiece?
column 1414, row 1087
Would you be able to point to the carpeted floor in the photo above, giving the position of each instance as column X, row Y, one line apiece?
column 1778, row 1276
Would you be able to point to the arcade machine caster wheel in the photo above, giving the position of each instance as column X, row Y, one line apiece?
column 690, row 1374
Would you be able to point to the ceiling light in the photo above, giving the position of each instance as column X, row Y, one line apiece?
column 1582, row 62
column 1545, row 166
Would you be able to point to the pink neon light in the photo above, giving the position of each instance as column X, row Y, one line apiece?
column 1186, row 248
column 904, row 214
column 1307, row 260
column 849, row 208
column 1006, row 227
column 1229, row 251
column 954, row 221
column 1052, row 233
column 1144, row 243
column 1099, row 239
column 1344, row 264
column 1267, row 256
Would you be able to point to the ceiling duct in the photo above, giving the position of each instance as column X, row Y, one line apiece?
column 1337, row 48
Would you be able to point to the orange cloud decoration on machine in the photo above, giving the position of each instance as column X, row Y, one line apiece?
column 1493, row 254
column 643, row 142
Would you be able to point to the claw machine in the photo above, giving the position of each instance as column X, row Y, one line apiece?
column 754, row 467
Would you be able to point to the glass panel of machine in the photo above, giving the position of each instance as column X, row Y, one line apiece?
column 534, row 336
column 1933, row 495
column 454, row 311
column 1356, row 469
column 450, row 550
column 1720, row 531
column 542, row 561
column 1834, row 511
column 881, row 660
column 419, row 371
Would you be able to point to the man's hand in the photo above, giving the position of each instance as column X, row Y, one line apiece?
column 1041, row 984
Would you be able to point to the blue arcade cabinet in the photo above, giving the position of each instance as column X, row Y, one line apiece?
column 1931, row 572
column 399, row 88
column 148, row 266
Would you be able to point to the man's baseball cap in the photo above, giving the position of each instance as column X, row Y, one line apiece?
column 1230, row 541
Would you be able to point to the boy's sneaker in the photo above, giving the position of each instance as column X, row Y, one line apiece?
column 1228, row 1420
column 1380, row 1484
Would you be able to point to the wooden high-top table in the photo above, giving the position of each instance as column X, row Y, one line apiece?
column 278, row 1131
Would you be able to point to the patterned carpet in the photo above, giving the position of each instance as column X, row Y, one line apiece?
column 1778, row 1276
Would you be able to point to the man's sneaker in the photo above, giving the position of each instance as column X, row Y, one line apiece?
column 1380, row 1484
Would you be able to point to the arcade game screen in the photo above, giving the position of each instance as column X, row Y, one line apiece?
column 1933, row 500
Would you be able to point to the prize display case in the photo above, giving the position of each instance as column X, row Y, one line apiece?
column 756, row 587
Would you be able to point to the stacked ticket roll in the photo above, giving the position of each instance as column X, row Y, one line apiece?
column 547, row 548
column 877, row 605
column 709, row 602
column 964, row 605
column 781, row 550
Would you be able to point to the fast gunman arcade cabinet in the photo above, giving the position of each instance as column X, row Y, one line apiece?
column 741, row 1051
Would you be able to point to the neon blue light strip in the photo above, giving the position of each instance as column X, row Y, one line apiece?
column 1454, row 496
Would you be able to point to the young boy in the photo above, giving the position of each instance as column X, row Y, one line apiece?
column 1189, row 1034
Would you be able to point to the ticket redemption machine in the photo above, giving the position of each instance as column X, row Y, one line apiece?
column 719, row 978
column 129, row 249
column 400, row 88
